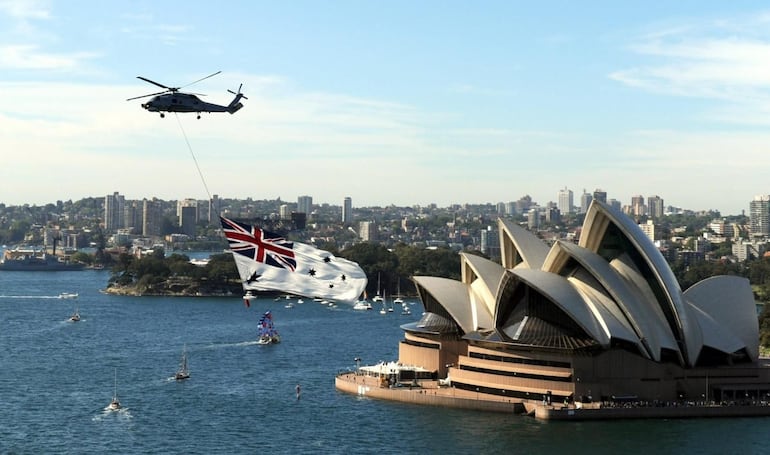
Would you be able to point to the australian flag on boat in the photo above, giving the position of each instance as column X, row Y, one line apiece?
column 266, row 261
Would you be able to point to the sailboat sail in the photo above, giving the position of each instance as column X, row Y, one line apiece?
column 267, row 261
column 182, row 372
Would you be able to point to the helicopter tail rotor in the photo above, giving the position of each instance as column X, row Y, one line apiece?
column 238, row 92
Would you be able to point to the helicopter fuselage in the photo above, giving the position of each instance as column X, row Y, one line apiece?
column 176, row 102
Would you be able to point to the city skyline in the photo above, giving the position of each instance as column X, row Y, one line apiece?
column 397, row 103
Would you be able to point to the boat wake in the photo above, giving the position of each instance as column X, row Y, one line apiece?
column 232, row 345
column 107, row 413
column 30, row 297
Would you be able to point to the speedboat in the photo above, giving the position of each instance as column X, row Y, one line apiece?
column 68, row 295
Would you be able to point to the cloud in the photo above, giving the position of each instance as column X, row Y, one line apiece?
column 30, row 56
column 25, row 9
column 726, row 60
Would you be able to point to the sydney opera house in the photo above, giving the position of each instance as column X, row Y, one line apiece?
column 600, row 322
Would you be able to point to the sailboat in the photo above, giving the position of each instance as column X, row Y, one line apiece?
column 75, row 316
column 182, row 373
column 398, row 300
column 115, row 404
column 384, row 309
column 377, row 298
column 267, row 332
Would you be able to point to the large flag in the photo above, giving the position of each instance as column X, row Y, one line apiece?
column 267, row 261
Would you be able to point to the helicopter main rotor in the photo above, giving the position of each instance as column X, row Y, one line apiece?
column 169, row 89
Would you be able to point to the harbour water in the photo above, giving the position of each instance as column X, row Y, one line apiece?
column 56, row 377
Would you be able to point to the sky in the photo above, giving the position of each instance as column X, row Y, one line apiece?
column 397, row 102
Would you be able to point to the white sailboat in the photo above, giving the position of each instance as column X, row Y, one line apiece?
column 115, row 403
column 75, row 316
column 377, row 298
column 398, row 300
column 183, row 372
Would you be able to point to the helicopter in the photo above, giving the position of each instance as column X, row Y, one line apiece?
column 172, row 100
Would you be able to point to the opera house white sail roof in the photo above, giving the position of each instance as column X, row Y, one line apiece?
column 613, row 288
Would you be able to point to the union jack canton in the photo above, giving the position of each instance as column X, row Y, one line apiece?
column 259, row 245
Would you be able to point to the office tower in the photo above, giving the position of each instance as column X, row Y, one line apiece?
column 132, row 218
column 368, row 231
column 500, row 207
column 114, row 206
column 188, row 218
column 600, row 195
column 655, row 206
column 152, row 217
column 637, row 205
column 305, row 204
column 510, row 208
column 284, row 212
column 213, row 208
column 565, row 200
column 347, row 210
column 759, row 216
column 585, row 201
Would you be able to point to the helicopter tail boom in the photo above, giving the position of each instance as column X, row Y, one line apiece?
column 235, row 104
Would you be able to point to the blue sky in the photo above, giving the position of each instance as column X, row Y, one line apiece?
column 396, row 102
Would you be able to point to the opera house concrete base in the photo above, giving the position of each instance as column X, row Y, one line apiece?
column 432, row 394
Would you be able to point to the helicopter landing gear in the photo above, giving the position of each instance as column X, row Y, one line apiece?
column 199, row 116
column 162, row 115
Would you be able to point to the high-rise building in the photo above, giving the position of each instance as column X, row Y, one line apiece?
column 132, row 218
column 500, row 207
column 368, row 231
column 284, row 212
column 600, row 195
column 114, row 207
column 655, row 206
column 585, row 201
column 213, row 208
column 305, row 204
column 188, row 218
column 347, row 210
column 759, row 216
column 152, row 217
column 565, row 200
column 637, row 205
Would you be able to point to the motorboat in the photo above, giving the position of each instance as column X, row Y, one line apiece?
column 115, row 404
column 75, row 316
column 362, row 305
column 68, row 295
